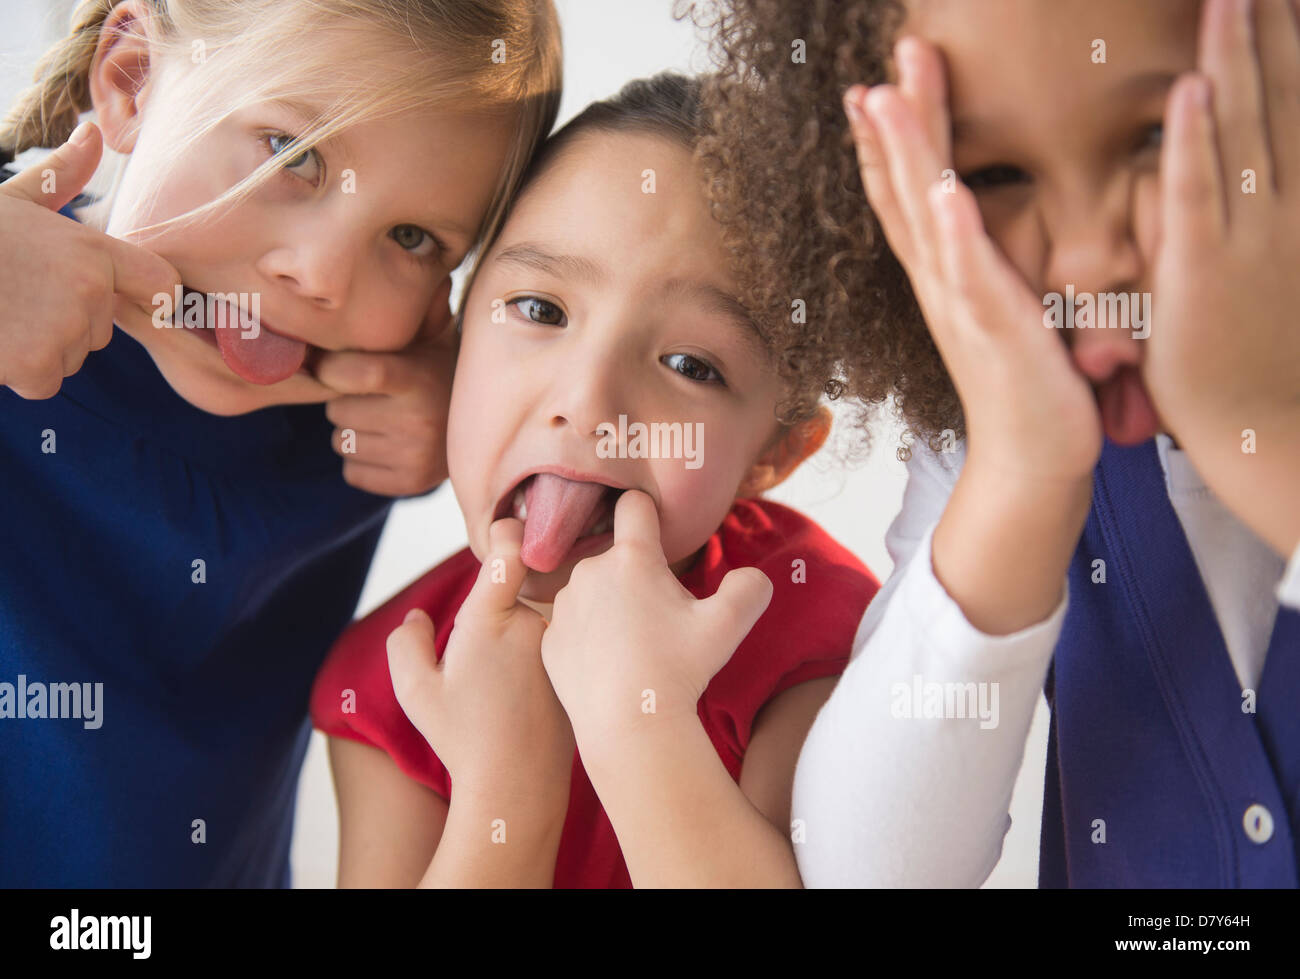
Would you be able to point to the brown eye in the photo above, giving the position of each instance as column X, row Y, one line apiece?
column 692, row 368
column 993, row 177
column 539, row 311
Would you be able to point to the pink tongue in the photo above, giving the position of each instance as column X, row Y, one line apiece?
column 559, row 510
column 1127, row 415
column 266, row 359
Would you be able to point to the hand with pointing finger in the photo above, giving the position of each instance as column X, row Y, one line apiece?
column 487, row 709
column 625, row 625
column 390, row 414
column 63, row 284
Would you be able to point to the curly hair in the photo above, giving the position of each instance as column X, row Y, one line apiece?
column 783, row 181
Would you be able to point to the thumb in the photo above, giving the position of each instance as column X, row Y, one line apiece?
column 60, row 176
column 412, row 656
column 742, row 597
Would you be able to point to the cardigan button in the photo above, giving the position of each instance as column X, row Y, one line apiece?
column 1258, row 822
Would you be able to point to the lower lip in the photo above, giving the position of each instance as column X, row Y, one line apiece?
column 586, row 546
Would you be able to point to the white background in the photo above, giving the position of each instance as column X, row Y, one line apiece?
column 607, row 42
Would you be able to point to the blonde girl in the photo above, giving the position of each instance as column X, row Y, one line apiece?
column 296, row 180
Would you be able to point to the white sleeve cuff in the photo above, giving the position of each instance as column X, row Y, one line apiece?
column 1288, row 592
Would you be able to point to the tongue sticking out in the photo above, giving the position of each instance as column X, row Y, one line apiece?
column 1127, row 414
column 259, row 358
column 559, row 510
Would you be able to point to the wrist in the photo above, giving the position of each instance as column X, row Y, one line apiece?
column 610, row 750
column 496, row 841
column 1003, row 547
column 543, row 791
column 537, row 812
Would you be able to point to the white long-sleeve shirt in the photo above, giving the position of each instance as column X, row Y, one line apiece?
column 890, row 800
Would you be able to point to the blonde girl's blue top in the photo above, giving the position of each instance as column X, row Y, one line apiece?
column 170, row 581
column 1161, row 770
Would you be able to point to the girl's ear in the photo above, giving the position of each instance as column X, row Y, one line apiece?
column 792, row 446
column 119, row 75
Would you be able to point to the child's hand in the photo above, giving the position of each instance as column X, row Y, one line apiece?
column 62, row 284
column 627, row 644
column 1031, row 416
column 1033, row 428
column 1224, row 350
column 390, row 418
column 487, row 709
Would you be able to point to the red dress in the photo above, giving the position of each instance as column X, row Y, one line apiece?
column 806, row 633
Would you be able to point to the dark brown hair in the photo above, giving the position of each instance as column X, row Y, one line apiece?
column 784, row 182
column 666, row 105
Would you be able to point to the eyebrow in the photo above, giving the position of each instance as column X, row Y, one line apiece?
column 710, row 297
column 530, row 256
column 715, row 300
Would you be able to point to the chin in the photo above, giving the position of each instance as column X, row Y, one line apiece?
column 541, row 591
column 212, row 396
column 542, row 586
column 221, row 395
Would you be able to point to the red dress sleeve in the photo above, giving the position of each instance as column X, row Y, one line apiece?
column 352, row 696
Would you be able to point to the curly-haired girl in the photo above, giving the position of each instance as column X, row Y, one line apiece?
column 1103, row 506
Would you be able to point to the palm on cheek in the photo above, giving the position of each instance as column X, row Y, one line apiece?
column 627, row 643
column 1028, row 410
column 1224, row 351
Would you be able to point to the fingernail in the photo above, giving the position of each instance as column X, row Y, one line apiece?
column 80, row 134
column 853, row 110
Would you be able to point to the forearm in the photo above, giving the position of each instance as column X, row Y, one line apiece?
column 499, row 840
column 1002, row 550
column 889, row 795
column 680, row 818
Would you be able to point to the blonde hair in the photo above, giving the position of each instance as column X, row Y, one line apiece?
column 479, row 55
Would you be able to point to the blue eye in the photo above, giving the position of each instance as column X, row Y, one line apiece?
column 539, row 311
column 988, row 178
column 693, row 368
column 280, row 142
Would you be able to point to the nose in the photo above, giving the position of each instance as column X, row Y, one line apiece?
column 1093, row 252
column 589, row 388
column 316, row 263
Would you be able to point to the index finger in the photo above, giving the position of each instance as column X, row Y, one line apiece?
column 502, row 574
column 138, row 274
column 636, row 520
column 1228, row 57
column 923, row 81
